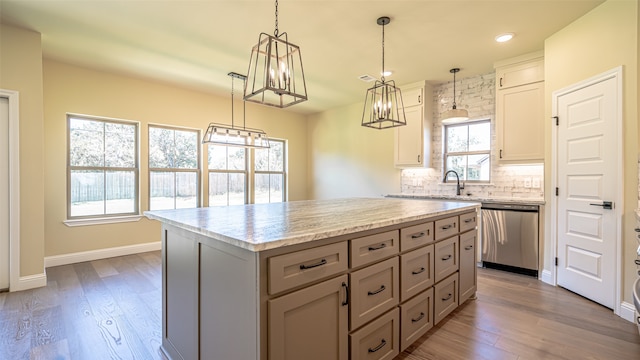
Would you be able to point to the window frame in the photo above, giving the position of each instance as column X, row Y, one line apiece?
column 197, row 170
column 269, row 172
column 104, row 169
column 247, row 153
column 446, row 154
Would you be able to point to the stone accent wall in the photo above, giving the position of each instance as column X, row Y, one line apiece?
column 477, row 95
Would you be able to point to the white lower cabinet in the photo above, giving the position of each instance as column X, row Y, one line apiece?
column 378, row 340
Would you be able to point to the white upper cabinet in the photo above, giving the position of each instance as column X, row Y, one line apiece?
column 413, row 141
column 520, row 109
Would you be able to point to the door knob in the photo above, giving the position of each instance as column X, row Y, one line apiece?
column 605, row 205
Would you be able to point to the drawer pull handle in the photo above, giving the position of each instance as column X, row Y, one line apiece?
column 446, row 257
column 448, row 297
column 319, row 263
column 447, row 227
column 468, row 247
column 382, row 344
column 374, row 248
column 346, row 294
column 382, row 288
column 469, row 220
column 418, row 272
column 418, row 318
column 417, row 236
column 637, row 261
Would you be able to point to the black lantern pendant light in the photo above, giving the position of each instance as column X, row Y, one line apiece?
column 383, row 107
column 275, row 75
column 454, row 115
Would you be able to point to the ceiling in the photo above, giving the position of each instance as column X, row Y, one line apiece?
column 196, row 43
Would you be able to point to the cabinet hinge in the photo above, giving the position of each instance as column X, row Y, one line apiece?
column 557, row 191
column 556, row 261
column 557, row 120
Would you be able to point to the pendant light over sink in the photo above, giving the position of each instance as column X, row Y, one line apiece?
column 383, row 107
column 454, row 115
column 238, row 136
column 275, row 75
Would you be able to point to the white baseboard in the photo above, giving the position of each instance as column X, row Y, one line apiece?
column 77, row 257
column 29, row 282
column 547, row 277
column 628, row 312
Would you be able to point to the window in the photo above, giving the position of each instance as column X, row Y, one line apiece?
column 468, row 150
column 102, row 173
column 227, row 175
column 270, row 173
column 174, row 168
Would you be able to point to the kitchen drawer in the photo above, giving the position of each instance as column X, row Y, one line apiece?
column 374, row 290
column 416, row 272
column 445, row 297
column 375, row 247
column 379, row 340
column 446, row 227
column 416, row 318
column 446, row 258
column 414, row 236
column 301, row 267
column 468, row 267
column 468, row 221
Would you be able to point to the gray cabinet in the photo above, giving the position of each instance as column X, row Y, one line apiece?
column 468, row 267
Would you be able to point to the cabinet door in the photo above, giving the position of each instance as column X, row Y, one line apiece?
column 412, row 96
column 520, row 123
column 409, row 145
column 468, row 265
column 519, row 74
column 416, row 272
column 445, row 295
column 311, row 323
column 374, row 290
column 416, row 318
column 379, row 340
column 446, row 258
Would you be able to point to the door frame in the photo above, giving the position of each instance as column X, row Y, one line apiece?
column 14, row 187
column 615, row 73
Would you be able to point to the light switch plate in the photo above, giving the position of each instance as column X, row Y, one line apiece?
column 536, row 183
column 527, row 182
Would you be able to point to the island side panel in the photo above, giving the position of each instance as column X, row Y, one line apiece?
column 220, row 315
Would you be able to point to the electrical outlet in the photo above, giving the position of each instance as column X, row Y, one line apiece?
column 527, row 182
column 536, row 183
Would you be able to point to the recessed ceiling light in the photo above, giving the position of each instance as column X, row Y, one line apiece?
column 387, row 73
column 504, row 37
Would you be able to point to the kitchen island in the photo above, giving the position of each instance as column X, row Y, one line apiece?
column 330, row 279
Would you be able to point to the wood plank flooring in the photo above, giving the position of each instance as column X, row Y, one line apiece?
column 111, row 309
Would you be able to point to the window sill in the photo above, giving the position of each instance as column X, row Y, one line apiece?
column 102, row 221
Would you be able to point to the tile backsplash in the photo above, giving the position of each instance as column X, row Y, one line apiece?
column 477, row 95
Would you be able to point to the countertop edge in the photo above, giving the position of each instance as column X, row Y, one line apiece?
column 522, row 201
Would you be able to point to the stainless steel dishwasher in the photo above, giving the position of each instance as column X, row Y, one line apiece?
column 510, row 237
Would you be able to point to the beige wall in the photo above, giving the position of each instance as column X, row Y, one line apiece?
column 599, row 41
column 21, row 70
column 72, row 89
column 347, row 159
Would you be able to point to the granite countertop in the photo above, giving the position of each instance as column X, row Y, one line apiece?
column 510, row 200
column 260, row 227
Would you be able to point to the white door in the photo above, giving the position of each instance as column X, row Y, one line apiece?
column 588, row 176
column 4, row 193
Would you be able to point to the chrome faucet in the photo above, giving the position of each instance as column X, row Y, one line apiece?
column 458, row 187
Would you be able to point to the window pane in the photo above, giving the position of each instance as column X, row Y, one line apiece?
column 86, row 143
column 186, row 149
column 457, row 138
column 120, row 145
column 87, row 193
column 187, row 190
column 276, row 156
column 217, row 157
column 161, row 190
column 218, row 189
column 262, row 158
column 161, row 148
column 478, row 167
column 480, row 136
column 275, row 188
column 237, row 158
column 457, row 164
column 261, row 187
column 121, row 194
column 237, row 188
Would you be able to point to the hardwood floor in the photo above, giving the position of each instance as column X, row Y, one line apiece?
column 111, row 309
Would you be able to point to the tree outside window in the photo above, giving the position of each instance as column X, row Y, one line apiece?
column 468, row 150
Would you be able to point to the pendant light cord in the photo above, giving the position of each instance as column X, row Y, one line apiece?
column 276, row 32
column 232, row 82
column 382, row 77
column 454, row 90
